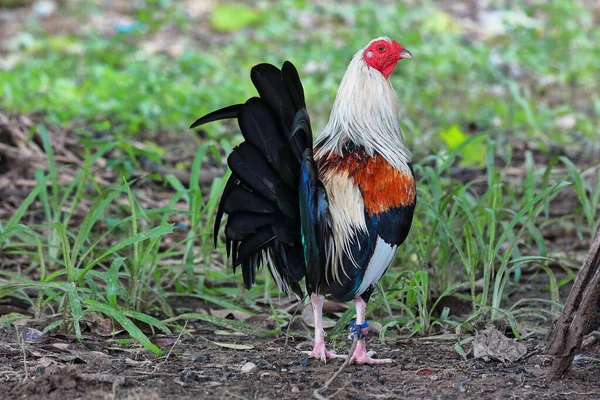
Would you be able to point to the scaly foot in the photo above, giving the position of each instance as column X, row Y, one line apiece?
column 321, row 353
column 361, row 356
column 359, row 329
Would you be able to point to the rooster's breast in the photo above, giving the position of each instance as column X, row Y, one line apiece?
column 371, row 205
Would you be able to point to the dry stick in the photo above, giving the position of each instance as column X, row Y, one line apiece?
column 566, row 336
column 317, row 392
column 22, row 343
column 171, row 349
column 300, row 305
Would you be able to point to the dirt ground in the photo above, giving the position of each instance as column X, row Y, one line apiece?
column 60, row 368
column 106, row 365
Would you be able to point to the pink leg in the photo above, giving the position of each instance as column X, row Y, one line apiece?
column 360, row 355
column 319, row 351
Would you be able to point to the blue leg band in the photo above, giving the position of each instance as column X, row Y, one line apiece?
column 357, row 329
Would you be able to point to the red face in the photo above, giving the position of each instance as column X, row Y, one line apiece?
column 383, row 55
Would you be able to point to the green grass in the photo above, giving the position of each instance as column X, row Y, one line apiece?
column 112, row 84
column 461, row 106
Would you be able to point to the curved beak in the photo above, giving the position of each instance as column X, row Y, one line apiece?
column 405, row 54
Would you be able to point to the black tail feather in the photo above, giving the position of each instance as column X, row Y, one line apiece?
column 269, row 83
column 224, row 113
column 261, row 197
column 273, row 90
column 250, row 166
column 242, row 224
column 291, row 75
column 231, row 183
column 263, row 238
column 241, row 198
column 259, row 128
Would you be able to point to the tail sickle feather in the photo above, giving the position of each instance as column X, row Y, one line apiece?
column 224, row 113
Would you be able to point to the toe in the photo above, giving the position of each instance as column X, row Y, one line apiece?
column 370, row 361
column 323, row 354
column 361, row 356
column 331, row 354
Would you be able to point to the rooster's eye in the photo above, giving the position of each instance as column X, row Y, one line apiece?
column 380, row 49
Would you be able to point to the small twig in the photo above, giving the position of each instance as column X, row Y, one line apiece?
column 298, row 307
column 171, row 349
column 22, row 343
column 317, row 392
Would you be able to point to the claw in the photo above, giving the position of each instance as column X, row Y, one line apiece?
column 321, row 353
column 361, row 356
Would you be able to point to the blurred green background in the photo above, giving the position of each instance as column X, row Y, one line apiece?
column 527, row 67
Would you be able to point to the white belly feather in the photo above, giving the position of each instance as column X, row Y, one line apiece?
column 379, row 263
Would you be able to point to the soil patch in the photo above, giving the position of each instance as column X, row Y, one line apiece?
column 59, row 369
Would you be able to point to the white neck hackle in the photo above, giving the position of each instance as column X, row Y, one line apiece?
column 366, row 113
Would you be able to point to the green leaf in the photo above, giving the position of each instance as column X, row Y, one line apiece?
column 234, row 346
column 66, row 249
column 458, row 346
column 473, row 154
column 148, row 319
column 100, row 203
column 52, row 170
column 53, row 325
column 226, row 323
column 232, row 17
column 74, row 306
column 125, row 322
column 16, row 217
column 156, row 231
column 112, row 281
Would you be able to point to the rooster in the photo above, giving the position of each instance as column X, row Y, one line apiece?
column 334, row 212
